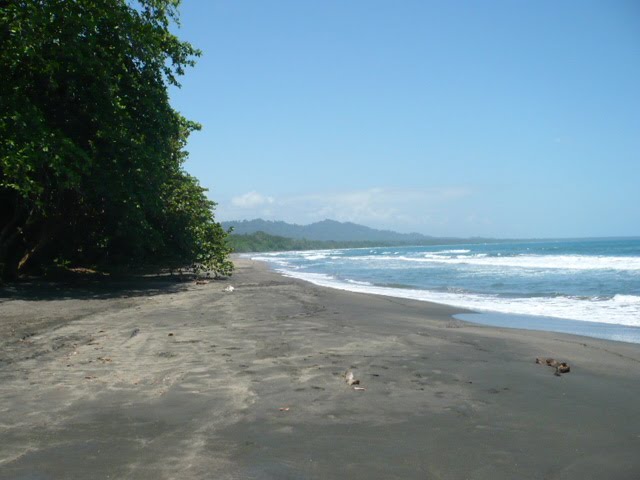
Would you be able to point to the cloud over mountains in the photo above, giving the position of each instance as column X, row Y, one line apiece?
column 405, row 209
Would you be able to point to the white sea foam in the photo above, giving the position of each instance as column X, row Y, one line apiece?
column 627, row 299
column 279, row 262
column 317, row 256
column 546, row 262
column 621, row 309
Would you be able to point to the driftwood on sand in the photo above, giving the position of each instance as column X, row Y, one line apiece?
column 561, row 367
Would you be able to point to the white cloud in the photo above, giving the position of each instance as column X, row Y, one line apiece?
column 251, row 200
column 381, row 207
column 401, row 209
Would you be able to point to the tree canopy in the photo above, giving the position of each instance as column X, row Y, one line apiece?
column 91, row 151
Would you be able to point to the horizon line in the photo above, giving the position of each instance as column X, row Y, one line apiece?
column 476, row 237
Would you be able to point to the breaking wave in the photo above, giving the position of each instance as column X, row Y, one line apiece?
column 620, row 309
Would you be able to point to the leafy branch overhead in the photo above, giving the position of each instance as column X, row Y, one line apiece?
column 91, row 151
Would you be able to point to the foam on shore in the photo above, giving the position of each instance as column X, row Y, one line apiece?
column 619, row 310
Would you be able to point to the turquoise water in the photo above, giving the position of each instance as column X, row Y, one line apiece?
column 581, row 280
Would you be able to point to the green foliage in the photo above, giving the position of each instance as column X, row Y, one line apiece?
column 91, row 151
column 189, row 230
column 263, row 242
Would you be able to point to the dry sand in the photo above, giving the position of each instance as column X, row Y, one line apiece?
column 249, row 384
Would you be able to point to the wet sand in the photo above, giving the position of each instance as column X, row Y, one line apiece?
column 158, row 380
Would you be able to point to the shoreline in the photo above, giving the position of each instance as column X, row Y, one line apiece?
column 493, row 318
column 595, row 330
column 190, row 381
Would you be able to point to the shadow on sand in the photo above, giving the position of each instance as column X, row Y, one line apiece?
column 91, row 287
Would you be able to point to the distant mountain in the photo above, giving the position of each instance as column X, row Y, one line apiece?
column 326, row 230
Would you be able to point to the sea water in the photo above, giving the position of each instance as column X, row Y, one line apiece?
column 545, row 285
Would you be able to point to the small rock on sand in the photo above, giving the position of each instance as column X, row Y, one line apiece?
column 350, row 379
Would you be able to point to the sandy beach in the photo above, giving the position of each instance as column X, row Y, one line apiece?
column 164, row 380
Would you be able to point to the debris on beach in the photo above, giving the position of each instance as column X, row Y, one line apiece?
column 561, row 367
column 135, row 332
column 284, row 409
column 229, row 289
column 202, row 282
column 359, row 388
column 350, row 379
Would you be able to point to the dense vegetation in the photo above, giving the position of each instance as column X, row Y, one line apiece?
column 263, row 242
column 91, row 151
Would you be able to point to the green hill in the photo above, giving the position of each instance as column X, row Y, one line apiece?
column 326, row 230
column 263, row 242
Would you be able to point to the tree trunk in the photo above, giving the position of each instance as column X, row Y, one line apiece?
column 47, row 234
column 9, row 270
column 10, row 256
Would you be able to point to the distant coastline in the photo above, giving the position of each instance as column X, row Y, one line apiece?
column 276, row 236
column 264, row 242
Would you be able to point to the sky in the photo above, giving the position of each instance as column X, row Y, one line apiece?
column 451, row 118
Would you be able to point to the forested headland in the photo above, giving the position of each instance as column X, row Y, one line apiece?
column 91, row 151
column 264, row 235
column 263, row 242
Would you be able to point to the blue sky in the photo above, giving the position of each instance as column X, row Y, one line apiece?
column 507, row 119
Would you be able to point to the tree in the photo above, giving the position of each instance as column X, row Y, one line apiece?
column 91, row 151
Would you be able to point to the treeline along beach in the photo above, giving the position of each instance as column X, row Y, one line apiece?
column 91, row 151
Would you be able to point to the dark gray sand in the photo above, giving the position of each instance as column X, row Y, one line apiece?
column 249, row 384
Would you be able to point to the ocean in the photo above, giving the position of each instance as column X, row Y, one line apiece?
column 589, row 287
